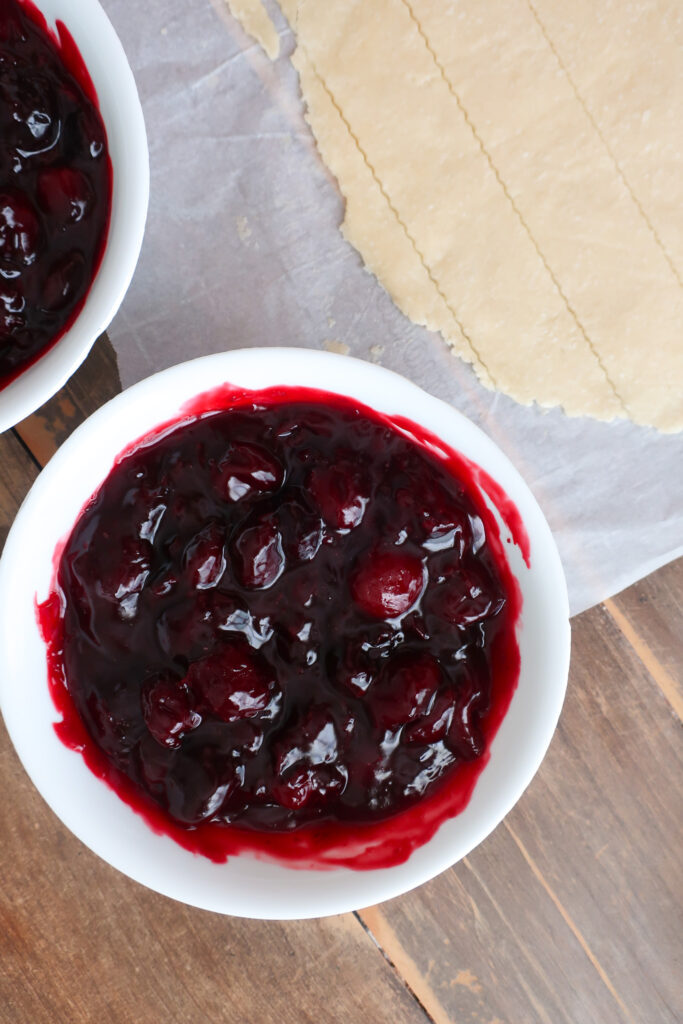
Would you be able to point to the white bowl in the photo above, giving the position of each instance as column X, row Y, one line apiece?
column 246, row 886
column 122, row 115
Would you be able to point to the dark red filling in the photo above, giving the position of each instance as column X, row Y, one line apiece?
column 55, row 185
column 288, row 617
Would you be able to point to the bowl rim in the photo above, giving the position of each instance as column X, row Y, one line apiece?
column 246, row 886
column 122, row 114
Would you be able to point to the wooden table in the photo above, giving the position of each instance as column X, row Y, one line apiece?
column 570, row 912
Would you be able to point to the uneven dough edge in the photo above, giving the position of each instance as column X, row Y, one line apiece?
column 257, row 23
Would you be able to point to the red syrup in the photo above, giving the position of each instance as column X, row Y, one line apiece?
column 285, row 625
column 55, row 185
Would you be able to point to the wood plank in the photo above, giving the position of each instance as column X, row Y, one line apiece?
column 79, row 942
column 483, row 942
column 650, row 614
column 613, row 856
column 17, row 473
column 571, row 910
column 93, row 384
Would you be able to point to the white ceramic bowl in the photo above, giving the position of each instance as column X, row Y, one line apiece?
column 122, row 115
column 245, row 886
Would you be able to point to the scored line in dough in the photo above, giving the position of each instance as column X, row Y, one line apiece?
column 452, row 90
column 477, row 356
column 608, row 149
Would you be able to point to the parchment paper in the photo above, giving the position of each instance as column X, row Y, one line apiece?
column 243, row 249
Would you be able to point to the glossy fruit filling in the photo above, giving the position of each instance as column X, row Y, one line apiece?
column 55, row 185
column 288, row 617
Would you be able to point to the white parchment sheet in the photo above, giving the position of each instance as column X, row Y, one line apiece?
column 243, row 249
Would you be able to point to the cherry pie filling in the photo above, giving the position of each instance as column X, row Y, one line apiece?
column 289, row 618
column 55, row 185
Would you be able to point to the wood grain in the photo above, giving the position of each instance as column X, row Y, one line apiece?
column 93, row 384
column 651, row 613
column 571, row 911
column 612, row 854
column 79, row 942
column 17, row 472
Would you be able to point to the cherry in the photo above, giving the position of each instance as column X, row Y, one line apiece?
column 307, row 765
column 246, row 738
column 168, row 713
column 204, row 557
column 341, row 493
column 357, row 680
column 109, row 729
column 35, row 115
column 178, row 481
column 123, row 573
column 467, row 596
column 354, row 672
column 416, row 768
column 301, row 530
column 298, row 640
column 387, row 583
column 441, row 519
column 63, row 282
column 152, row 513
column 232, row 616
column 154, row 761
column 196, row 790
column 308, row 540
column 65, row 194
column 247, row 470
column 234, row 683
column 308, row 787
column 312, row 740
column 464, row 733
column 90, row 132
column 258, row 555
column 405, row 689
column 186, row 631
column 19, row 230
column 380, row 640
column 434, row 724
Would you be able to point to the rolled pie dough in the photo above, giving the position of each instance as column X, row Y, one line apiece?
column 494, row 194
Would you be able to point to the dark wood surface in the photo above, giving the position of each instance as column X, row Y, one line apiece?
column 570, row 913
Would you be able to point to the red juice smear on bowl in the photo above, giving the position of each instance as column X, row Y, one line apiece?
column 55, row 185
column 285, row 624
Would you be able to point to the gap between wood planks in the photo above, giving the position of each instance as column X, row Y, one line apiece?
column 26, row 448
column 35, row 437
column 39, row 439
column 382, row 934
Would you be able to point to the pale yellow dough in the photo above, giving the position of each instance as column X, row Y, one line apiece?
column 256, row 22
column 492, row 194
